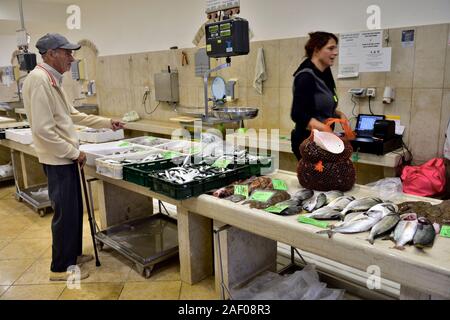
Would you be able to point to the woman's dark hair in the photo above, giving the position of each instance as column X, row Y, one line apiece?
column 318, row 40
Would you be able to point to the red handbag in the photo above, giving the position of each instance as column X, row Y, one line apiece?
column 425, row 180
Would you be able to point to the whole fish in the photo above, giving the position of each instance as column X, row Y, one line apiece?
column 362, row 224
column 302, row 195
column 315, row 202
column 405, row 230
column 384, row 208
column 383, row 226
column 425, row 234
column 341, row 202
column 333, row 195
column 324, row 213
column 363, row 204
column 332, row 210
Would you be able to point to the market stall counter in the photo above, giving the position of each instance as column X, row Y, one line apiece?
column 421, row 273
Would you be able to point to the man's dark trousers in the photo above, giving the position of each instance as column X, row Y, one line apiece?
column 64, row 190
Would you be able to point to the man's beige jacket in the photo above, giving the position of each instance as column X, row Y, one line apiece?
column 52, row 119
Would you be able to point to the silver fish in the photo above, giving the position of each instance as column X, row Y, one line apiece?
column 341, row 202
column 303, row 194
column 363, row 204
column 383, row 226
column 384, row 208
column 315, row 202
column 405, row 230
column 362, row 224
column 324, row 213
column 333, row 195
column 332, row 210
column 425, row 234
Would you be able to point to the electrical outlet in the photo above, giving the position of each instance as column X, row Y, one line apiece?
column 371, row 92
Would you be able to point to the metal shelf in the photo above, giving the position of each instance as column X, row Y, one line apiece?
column 39, row 204
column 145, row 241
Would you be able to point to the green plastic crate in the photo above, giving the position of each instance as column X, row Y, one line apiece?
column 138, row 172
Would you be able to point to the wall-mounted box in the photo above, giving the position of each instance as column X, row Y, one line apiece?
column 166, row 87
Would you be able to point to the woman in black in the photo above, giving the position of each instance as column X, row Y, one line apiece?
column 315, row 98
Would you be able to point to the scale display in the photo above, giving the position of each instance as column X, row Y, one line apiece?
column 227, row 38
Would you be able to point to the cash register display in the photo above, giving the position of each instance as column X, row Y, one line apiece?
column 365, row 124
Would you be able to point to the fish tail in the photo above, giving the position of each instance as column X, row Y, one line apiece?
column 399, row 247
column 370, row 240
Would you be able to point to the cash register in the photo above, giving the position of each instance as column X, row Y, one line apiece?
column 375, row 135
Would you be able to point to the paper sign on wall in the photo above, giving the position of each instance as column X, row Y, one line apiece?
column 363, row 52
column 408, row 38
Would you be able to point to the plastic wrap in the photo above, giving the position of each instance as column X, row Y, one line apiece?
column 301, row 285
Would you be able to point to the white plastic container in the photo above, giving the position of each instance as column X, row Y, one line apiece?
column 182, row 146
column 149, row 141
column 106, row 167
column 94, row 151
column 100, row 135
column 23, row 136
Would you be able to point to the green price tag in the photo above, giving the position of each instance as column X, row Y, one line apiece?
column 221, row 163
column 277, row 208
column 355, row 157
column 313, row 222
column 284, row 138
column 242, row 130
column 241, row 190
column 445, row 231
column 261, row 196
column 279, row 184
column 170, row 154
column 151, row 138
column 124, row 144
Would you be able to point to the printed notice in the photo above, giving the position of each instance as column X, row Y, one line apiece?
column 408, row 38
column 376, row 60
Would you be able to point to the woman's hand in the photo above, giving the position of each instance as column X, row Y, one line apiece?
column 341, row 115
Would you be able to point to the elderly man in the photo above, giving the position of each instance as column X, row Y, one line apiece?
column 52, row 119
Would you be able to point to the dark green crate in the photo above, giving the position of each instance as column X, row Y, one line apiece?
column 196, row 188
column 138, row 172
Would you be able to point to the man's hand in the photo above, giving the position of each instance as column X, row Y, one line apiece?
column 117, row 125
column 81, row 160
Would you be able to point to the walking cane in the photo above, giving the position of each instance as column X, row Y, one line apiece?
column 91, row 224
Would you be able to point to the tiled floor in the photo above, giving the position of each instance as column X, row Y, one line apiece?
column 25, row 255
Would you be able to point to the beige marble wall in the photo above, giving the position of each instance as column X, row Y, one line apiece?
column 420, row 75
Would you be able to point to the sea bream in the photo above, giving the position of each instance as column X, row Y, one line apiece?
column 302, row 195
column 361, row 205
column 383, row 226
column 332, row 210
column 315, row 202
column 425, row 234
column 362, row 224
column 405, row 230
column 333, row 195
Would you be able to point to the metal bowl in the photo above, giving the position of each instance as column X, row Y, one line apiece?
column 235, row 113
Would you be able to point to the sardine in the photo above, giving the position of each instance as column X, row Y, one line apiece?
column 383, row 226
column 425, row 234
column 405, row 230
column 316, row 202
column 363, row 204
